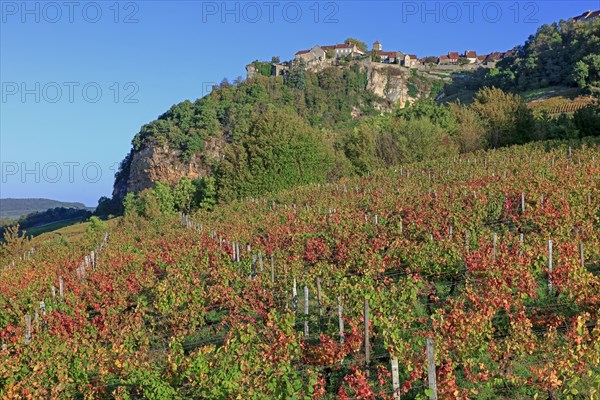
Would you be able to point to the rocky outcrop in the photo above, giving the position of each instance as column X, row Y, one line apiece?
column 389, row 82
column 159, row 163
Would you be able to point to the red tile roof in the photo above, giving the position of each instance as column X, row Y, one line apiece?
column 471, row 54
column 443, row 57
column 302, row 52
column 481, row 58
column 453, row 55
column 412, row 56
column 386, row 53
column 495, row 56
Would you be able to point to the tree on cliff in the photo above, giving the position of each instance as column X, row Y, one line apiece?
column 360, row 44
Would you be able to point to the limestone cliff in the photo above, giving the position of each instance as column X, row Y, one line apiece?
column 397, row 84
column 156, row 163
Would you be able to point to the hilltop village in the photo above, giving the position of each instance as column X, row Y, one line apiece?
column 320, row 56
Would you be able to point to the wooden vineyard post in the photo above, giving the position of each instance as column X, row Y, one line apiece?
column 550, row 266
column 494, row 249
column 253, row 267
column 319, row 299
column 395, row 379
column 341, row 320
column 27, row 338
column 522, row 203
column 53, row 289
column 61, row 287
column 294, row 297
column 260, row 261
column 431, row 375
column 521, row 244
column 306, row 311
column 367, row 345
column 581, row 258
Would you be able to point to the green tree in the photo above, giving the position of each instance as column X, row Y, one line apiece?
column 470, row 133
column 360, row 149
column 94, row 232
column 297, row 76
column 587, row 120
column 183, row 195
column 425, row 140
column 164, row 197
column 132, row 204
column 581, row 73
column 280, row 151
column 504, row 115
column 359, row 43
column 205, row 192
column 15, row 242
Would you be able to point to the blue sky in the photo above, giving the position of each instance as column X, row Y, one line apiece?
column 80, row 78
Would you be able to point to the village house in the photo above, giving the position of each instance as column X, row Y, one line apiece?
column 453, row 57
column 450, row 59
column 471, row 56
column 312, row 55
column 280, row 69
column 319, row 53
column 394, row 57
column 492, row 59
column 410, row 60
column 388, row 57
column 443, row 60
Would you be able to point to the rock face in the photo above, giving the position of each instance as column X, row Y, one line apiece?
column 389, row 82
column 162, row 164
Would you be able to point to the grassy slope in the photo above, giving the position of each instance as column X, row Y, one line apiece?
column 72, row 230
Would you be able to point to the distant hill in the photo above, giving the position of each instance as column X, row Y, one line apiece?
column 15, row 208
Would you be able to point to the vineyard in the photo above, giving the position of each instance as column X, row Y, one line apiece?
column 558, row 105
column 469, row 277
